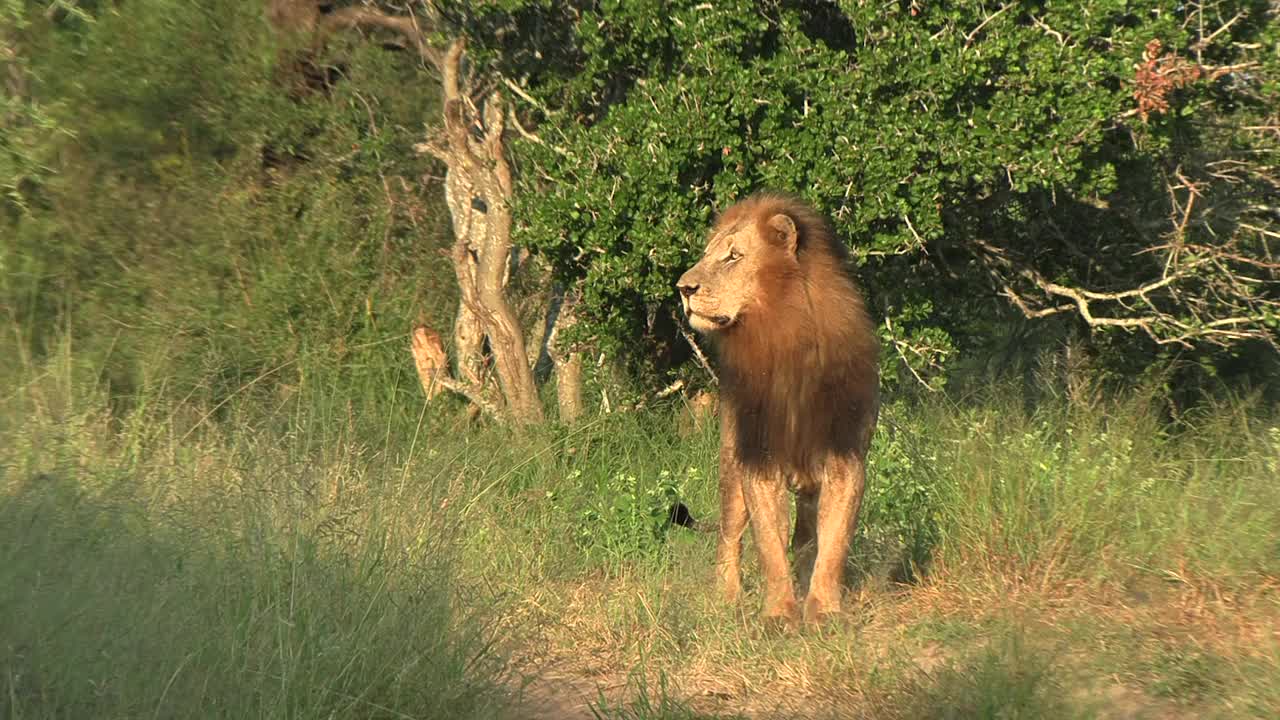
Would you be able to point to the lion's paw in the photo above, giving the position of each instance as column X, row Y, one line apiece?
column 819, row 610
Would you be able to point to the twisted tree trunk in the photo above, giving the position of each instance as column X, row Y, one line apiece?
column 478, row 189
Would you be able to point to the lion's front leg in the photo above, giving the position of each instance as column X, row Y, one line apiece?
column 766, row 496
column 838, row 503
column 733, row 522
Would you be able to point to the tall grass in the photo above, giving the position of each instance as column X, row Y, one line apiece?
column 990, row 489
column 335, row 548
column 1007, row 680
column 1108, row 490
column 155, row 568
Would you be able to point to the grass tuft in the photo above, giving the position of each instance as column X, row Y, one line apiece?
column 151, row 572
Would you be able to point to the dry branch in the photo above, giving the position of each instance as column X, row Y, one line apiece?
column 363, row 17
column 1150, row 307
column 697, row 349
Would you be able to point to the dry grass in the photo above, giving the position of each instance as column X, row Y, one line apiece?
column 892, row 644
column 1063, row 580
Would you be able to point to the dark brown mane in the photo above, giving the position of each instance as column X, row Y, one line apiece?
column 799, row 370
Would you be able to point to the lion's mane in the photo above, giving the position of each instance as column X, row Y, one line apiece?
column 801, row 375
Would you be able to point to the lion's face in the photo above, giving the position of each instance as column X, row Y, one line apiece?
column 724, row 286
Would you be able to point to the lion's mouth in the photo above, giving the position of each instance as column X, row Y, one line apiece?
column 718, row 321
column 714, row 321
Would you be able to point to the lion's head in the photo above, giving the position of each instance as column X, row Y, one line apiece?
column 726, row 287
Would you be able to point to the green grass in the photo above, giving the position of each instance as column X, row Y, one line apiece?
column 1099, row 492
column 288, row 553
column 217, row 571
column 1007, row 681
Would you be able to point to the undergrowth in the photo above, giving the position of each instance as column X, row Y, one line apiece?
column 285, row 554
column 154, row 567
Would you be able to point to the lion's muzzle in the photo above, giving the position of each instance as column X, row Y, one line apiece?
column 704, row 309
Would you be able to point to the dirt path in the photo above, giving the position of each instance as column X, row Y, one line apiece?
column 564, row 694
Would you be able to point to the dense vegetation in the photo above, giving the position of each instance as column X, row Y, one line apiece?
column 194, row 209
column 984, row 164
column 1031, row 158
column 221, row 493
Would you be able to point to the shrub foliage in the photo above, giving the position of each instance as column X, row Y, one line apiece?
column 984, row 160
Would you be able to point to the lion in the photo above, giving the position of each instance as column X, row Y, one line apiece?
column 799, row 395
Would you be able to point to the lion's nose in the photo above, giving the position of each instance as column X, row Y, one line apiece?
column 687, row 288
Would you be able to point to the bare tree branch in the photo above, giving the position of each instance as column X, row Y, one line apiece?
column 697, row 350
column 930, row 355
column 1161, row 325
column 364, row 17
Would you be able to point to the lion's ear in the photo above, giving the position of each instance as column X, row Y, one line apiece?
column 783, row 231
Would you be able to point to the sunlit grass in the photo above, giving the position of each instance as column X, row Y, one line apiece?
column 286, row 553
column 152, row 570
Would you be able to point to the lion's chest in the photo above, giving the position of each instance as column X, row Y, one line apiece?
column 791, row 425
column 784, row 437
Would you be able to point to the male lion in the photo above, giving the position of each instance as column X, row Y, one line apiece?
column 799, row 395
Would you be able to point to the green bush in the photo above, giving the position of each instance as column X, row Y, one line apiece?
column 626, row 518
column 897, row 530
column 943, row 139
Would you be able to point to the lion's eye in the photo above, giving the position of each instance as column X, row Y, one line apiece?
column 734, row 256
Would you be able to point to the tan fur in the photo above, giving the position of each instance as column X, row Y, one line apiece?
column 799, row 394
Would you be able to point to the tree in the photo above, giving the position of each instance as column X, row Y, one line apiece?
column 984, row 159
column 472, row 144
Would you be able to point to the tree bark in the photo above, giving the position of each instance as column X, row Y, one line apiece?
column 566, row 360
column 478, row 189
column 569, row 386
column 468, row 330
column 478, row 192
